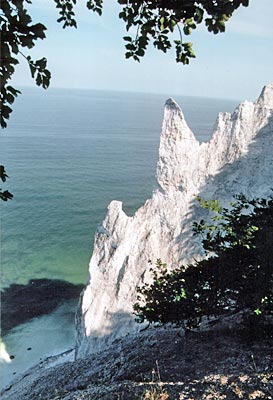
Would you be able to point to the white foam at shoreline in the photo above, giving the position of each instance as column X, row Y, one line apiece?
column 45, row 336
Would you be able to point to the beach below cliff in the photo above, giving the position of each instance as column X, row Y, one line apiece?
column 37, row 321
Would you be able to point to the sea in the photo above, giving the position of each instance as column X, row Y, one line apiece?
column 68, row 154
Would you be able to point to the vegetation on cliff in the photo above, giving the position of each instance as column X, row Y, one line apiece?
column 236, row 276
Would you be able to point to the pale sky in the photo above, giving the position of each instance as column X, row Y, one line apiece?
column 236, row 64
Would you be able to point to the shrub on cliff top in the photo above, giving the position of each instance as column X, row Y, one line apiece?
column 236, row 274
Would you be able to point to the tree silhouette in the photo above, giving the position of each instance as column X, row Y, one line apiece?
column 236, row 275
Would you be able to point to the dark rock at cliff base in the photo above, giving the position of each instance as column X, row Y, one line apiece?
column 19, row 303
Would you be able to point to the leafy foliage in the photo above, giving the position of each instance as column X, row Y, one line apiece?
column 236, row 275
column 18, row 32
column 153, row 21
column 6, row 195
column 156, row 21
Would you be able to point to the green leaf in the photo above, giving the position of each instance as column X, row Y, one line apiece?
column 6, row 110
column 6, row 195
column 198, row 16
column 41, row 63
column 32, row 69
column 39, row 30
column 39, row 80
column 10, row 98
column 27, row 41
column 140, row 52
column 130, row 46
column 3, row 174
column 162, row 23
column 172, row 24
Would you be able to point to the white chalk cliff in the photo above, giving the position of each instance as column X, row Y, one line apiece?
column 237, row 159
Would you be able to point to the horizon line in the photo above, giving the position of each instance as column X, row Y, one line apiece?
column 134, row 92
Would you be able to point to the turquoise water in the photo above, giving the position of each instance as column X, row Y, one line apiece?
column 68, row 154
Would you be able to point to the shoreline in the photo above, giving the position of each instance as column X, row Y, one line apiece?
column 37, row 322
column 21, row 303
column 32, row 342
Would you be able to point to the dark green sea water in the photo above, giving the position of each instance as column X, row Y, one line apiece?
column 68, row 154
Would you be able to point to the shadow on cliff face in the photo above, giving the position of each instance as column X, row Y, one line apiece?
column 251, row 174
column 119, row 325
column 19, row 303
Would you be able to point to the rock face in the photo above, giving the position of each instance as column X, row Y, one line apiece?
column 237, row 159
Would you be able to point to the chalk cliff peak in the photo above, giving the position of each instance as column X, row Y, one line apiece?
column 238, row 158
column 266, row 97
column 177, row 149
column 172, row 104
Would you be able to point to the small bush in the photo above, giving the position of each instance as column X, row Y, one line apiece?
column 236, row 274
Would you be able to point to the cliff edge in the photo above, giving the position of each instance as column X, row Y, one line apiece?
column 115, row 357
column 237, row 159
